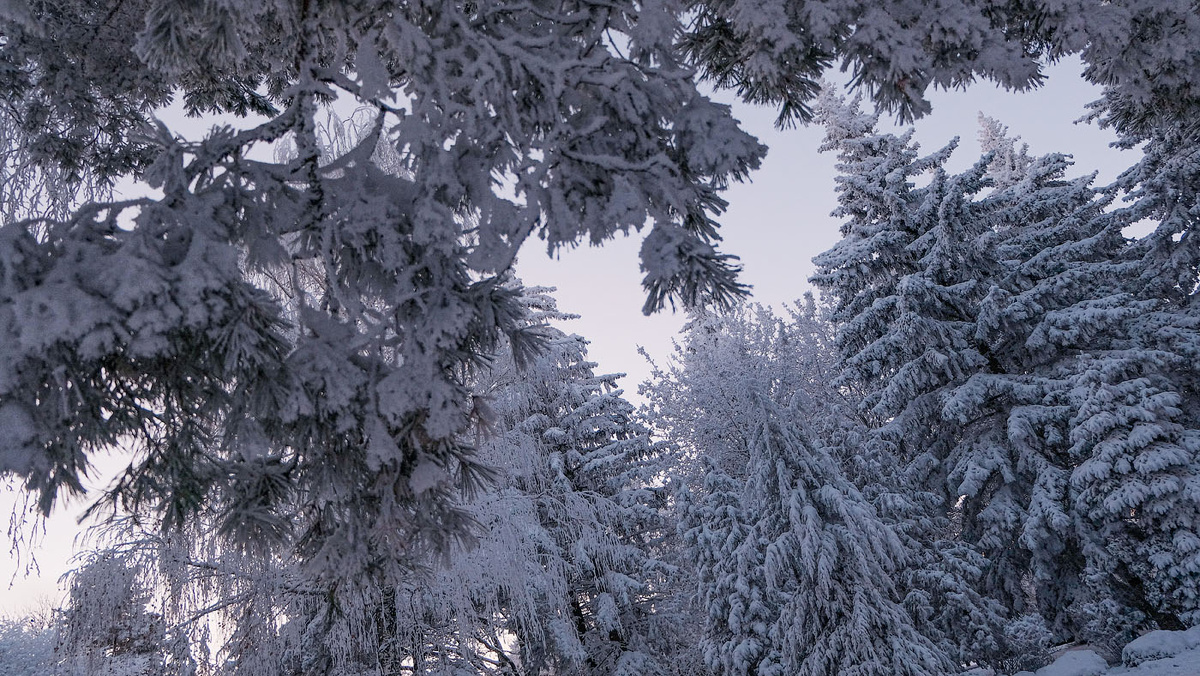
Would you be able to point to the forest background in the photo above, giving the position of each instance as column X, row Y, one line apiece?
column 776, row 223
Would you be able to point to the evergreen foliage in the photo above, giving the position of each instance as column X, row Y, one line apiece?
column 564, row 578
column 563, row 575
column 296, row 337
column 357, row 448
column 903, row 290
column 1005, row 355
column 795, row 568
column 774, row 52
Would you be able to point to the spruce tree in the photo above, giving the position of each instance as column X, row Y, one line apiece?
column 1137, row 491
column 563, row 575
column 972, row 382
column 580, row 470
column 796, row 569
column 1134, row 403
column 1034, row 361
column 1012, row 464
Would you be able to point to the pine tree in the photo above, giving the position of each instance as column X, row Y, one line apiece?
column 1132, row 397
column 1083, row 331
column 901, row 308
column 308, row 326
column 288, row 346
column 1059, row 403
column 735, row 632
column 795, row 567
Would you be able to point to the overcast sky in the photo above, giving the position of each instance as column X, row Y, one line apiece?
column 776, row 224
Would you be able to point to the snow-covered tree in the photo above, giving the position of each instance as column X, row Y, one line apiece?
column 298, row 335
column 1138, row 491
column 29, row 189
column 860, row 276
column 1008, row 164
column 289, row 346
column 797, row 571
column 564, row 576
column 1034, row 365
column 1139, row 406
column 108, row 627
column 1085, row 320
column 904, row 290
column 902, row 319
column 1011, row 462
column 1133, row 398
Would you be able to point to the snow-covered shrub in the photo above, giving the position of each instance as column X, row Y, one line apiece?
column 1028, row 642
column 1107, row 626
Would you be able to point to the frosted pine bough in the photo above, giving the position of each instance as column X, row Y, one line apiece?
column 325, row 408
column 563, row 577
column 289, row 347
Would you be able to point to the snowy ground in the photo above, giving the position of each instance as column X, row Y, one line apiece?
column 1088, row 663
column 1186, row 663
column 1158, row 653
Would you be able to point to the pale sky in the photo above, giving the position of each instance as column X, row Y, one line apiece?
column 776, row 224
column 780, row 220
